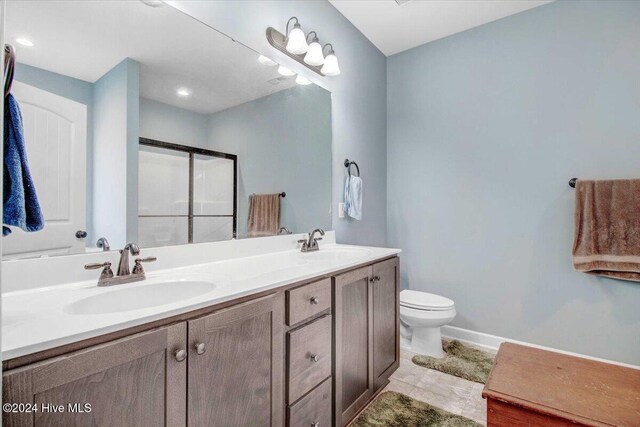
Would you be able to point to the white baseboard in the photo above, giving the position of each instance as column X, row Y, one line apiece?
column 492, row 342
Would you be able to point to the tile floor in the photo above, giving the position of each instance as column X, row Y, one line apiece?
column 453, row 394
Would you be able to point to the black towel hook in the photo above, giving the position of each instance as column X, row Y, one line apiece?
column 347, row 164
column 572, row 182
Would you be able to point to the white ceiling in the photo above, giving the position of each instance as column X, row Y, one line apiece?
column 85, row 39
column 393, row 28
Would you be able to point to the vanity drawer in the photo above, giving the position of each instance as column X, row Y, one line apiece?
column 314, row 409
column 308, row 300
column 309, row 357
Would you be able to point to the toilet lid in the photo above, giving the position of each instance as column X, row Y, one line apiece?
column 424, row 301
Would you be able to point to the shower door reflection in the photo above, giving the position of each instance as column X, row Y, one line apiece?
column 185, row 194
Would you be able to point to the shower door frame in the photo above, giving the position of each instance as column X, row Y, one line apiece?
column 192, row 152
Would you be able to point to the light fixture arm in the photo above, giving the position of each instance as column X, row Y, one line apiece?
column 331, row 49
column 315, row 36
column 286, row 34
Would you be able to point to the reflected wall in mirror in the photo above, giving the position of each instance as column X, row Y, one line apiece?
column 142, row 124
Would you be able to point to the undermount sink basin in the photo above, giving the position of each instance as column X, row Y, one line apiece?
column 123, row 298
column 336, row 254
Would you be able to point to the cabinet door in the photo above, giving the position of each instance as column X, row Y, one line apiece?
column 236, row 365
column 135, row 381
column 353, row 363
column 386, row 321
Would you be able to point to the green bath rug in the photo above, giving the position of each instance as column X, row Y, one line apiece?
column 459, row 360
column 391, row 409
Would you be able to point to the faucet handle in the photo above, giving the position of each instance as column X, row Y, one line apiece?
column 137, row 268
column 107, row 273
column 96, row 265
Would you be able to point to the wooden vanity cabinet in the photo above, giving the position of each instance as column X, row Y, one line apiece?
column 386, row 320
column 246, row 364
column 235, row 365
column 134, row 381
column 367, row 334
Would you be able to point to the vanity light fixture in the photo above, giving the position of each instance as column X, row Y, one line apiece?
column 330, row 67
column 296, row 40
column 294, row 44
column 24, row 42
column 302, row 80
column 266, row 61
column 183, row 92
column 285, row 71
column 314, row 54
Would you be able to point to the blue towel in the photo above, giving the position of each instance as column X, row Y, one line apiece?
column 353, row 197
column 20, row 203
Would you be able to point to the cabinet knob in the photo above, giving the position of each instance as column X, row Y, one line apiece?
column 314, row 357
column 315, row 424
column 200, row 348
column 181, row 355
column 371, row 280
column 377, row 278
column 315, row 300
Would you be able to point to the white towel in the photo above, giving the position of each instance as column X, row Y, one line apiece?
column 353, row 197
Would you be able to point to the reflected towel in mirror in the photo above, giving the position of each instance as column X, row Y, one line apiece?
column 264, row 215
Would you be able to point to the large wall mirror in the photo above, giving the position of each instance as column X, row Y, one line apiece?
column 142, row 124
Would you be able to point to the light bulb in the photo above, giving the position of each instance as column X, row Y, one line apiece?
column 330, row 67
column 285, row 71
column 301, row 80
column 266, row 61
column 314, row 55
column 297, row 41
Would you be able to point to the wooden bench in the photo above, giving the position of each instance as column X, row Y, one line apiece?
column 537, row 388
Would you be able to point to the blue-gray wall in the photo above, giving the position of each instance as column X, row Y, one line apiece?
column 358, row 94
column 283, row 143
column 115, row 155
column 485, row 129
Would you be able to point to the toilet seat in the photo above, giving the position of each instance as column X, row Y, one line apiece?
column 418, row 300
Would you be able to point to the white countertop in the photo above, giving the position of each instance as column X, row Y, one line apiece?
column 38, row 319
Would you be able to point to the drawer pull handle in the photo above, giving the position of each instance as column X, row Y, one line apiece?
column 181, row 355
column 315, row 424
column 315, row 300
column 200, row 348
column 314, row 357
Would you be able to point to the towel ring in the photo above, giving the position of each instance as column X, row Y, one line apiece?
column 347, row 164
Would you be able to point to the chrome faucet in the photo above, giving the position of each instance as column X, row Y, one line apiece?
column 123, row 265
column 311, row 244
column 104, row 244
column 124, row 275
column 284, row 230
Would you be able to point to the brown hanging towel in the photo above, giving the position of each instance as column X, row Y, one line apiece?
column 264, row 215
column 607, row 228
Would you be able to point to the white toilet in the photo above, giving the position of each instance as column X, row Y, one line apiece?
column 421, row 316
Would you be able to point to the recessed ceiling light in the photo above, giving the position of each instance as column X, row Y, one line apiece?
column 301, row 80
column 24, row 42
column 266, row 61
column 183, row 91
column 153, row 3
column 285, row 71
